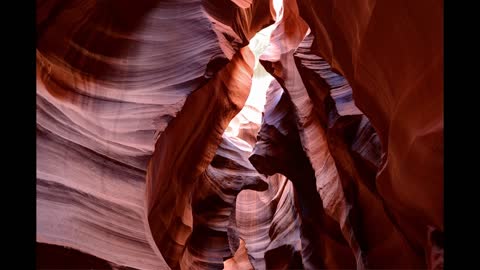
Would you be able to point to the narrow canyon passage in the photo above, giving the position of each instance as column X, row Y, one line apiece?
column 232, row 134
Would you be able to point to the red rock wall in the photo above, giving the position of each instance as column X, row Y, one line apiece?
column 110, row 79
column 381, row 77
column 392, row 55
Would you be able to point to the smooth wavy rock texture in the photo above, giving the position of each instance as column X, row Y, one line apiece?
column 214, row 197
column 239, row 134
column 101, row 107
column 345, row 126
column 392, row 55
column 279, row 150
column 314, row 140
column 302, row 69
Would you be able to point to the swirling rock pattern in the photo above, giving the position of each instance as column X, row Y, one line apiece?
column 101, row 107
column 214, row 200
column 392, row 54
column 184, row 152
column 344, row 122
column 279, row 150
column 160, row 147
column 268, row 223
column 314, row 140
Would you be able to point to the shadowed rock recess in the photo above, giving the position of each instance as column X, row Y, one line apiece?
column 239, row 134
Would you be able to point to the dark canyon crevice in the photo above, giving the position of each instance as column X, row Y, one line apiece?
column 323, row 245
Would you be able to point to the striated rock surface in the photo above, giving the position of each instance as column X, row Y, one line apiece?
column 392, row 54
column 104, row 95
column 279, row 150
column 326, row 113
column 214, row 237
column 107, row 86
column 346, row 126
column 185, row 149
column 269, row 225
column 162, row 143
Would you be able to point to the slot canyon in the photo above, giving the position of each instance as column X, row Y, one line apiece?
column 239, row 134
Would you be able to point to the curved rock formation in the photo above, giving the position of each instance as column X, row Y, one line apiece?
column 300, row 72
column 185, row 149
column 214, row 200
column 162, row 143
column 392, row 54
column 279, row 150
column 345, row 124
column 101, row 108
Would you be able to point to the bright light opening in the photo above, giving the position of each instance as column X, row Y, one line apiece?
column 255, row 104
